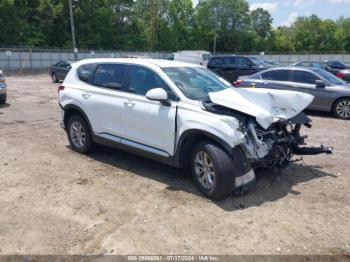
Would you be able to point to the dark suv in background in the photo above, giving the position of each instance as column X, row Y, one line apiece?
column 231, row 67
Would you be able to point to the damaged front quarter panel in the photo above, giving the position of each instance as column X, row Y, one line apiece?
column 271, row 121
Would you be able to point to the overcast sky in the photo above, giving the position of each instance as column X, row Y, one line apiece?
column 284, row 12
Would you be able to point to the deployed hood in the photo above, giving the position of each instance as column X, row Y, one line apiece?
column 266, row 105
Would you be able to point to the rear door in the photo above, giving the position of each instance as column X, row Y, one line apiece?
column 276, row 79
column 148, row 125
column 102, row 97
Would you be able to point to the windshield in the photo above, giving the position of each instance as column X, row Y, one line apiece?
column 206, row 57
column 330, row 77
column 196, row 82
column 258, row 61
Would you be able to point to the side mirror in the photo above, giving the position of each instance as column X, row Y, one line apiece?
column 68, row 67
column 158, row 94
column 320, row 84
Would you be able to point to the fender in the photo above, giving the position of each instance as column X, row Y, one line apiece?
column 182, row 144
column 77, row 108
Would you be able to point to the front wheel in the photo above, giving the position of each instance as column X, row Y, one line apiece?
column 341, row 108
column 212, row 170
column 3, row 99
column 79, row 135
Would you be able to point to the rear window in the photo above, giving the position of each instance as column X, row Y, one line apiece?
column 276, row 75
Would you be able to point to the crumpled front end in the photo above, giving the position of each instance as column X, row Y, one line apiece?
column 271, row 121
column 275, row 147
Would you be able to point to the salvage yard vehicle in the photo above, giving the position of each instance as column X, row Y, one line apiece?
column 331, row 93
column 3, row 88
column 184, row 115
column 316, row 64
column 231, row 67
column 59, row 70
column 195, row 57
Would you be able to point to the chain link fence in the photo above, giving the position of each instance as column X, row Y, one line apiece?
column 38, row 59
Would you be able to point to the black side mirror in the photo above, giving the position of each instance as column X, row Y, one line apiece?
column 68, row 67
column 320, row 84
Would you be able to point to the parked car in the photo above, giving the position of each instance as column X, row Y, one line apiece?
column 231, row 67
column 59, row 70
column 344, row 74
column 195, row 57
column 331, row 93
column 3, row 88
column 336, row 64
column 315, row 64
column 183, row 115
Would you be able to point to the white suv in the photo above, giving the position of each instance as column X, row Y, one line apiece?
column 183, row 115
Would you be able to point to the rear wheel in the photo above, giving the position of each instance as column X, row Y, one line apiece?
column 212, row 170
column 54, row 78
column 341, row 108
column 79, row 134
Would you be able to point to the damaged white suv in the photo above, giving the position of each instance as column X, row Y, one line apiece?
column 183, row 115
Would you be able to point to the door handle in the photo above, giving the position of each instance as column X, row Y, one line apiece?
column 86, row 95
column 129, row 104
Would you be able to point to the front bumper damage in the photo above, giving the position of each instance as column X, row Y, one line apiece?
column 274, row 148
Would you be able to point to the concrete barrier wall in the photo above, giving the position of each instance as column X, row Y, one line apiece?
column 26, row 59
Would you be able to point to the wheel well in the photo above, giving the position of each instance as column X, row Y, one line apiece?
column 74, row 111
column 185, row 150
column 336, row 101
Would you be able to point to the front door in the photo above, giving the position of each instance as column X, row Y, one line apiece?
column 148, row 124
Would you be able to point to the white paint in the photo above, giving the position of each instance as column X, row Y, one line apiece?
column 268, row 106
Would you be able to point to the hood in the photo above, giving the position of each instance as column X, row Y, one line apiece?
column 266, row 105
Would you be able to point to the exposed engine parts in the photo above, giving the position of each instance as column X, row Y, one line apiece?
column 275, row 147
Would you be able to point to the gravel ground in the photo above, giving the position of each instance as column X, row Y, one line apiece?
column 56, row 201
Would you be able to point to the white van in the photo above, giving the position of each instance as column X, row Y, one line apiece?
column 195, row 57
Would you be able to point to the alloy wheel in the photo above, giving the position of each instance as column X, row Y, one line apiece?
column 77, row 134
column 204, row 170
column 343, row 108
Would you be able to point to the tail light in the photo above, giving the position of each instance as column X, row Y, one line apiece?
column 238, row 82
column 340, row 75
column 60, row 88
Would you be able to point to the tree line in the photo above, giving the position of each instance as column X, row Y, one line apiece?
column 165, row 25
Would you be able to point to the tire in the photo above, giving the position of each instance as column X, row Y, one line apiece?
column 341, row 108
column 222, row 169
column 79, row 135
column 3, row 99
column 54, row 78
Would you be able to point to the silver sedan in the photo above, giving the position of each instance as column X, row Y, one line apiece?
column 331, row 93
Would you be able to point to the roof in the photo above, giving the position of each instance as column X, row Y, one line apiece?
column 141, row 61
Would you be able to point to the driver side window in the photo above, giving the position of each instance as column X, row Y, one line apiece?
column 142, row 80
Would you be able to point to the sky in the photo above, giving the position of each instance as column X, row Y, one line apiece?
column 284, row 12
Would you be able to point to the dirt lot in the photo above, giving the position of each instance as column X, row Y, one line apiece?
column 55, row 201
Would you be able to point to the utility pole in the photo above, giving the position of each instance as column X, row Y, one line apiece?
column 75, row 50
column 215, row 29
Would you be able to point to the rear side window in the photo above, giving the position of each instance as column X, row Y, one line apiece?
column 110, row 76
column 242, row 61
column 303, row 77
column 276, row 75
column 86, row 72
